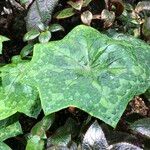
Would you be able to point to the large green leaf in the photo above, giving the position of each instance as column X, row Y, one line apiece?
column 91, row 71
column 15, row 97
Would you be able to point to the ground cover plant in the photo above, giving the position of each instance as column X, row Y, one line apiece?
column 70, row 86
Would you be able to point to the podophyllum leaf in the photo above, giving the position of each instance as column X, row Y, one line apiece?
column 142, row 126
column 2, row 39
column 65, row 13
column 10, row 131
column 62, row 137
column 3, row 146
column 123, row 146
column 41, row 127
column 35, row 143
column 56, row 27
column 40, row 12
column 31, row 35
column 91, row 71
column 45, row 36
column 15, row 97
column 94, row 138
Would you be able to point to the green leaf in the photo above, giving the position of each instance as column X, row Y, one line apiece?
column 2, row 39
column 45, row 37
column 62, row 137
column 65, row 13
column 35, row 143
column 90, row 71
column 76, row 4
column 41, row 127
column 10, row 131
column 26, row 50
column 3, row 146
column 142, row 126
column 15, row 97
column 56, row 27
column 31, row 35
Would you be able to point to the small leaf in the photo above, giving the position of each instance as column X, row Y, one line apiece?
column 86, row 3
column 16, row 59
column 123, row 146
column 2, row 39
column 65, row 13
column 35, row 143
column 76, row 4
column 45, row 36
column 32, row 34
column 3, row 146
column 41, row 127
column 10, row 131
column 94, row 138
column 86, row 17
column 142, row 126
column 62, row 137
column 56, row 27
column 26, row 50
column 108, row 17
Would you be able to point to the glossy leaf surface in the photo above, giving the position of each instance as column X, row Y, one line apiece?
column 94, row 138
column 90, row 71
column 142, row 126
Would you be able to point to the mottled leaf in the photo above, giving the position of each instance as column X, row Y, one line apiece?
column 10, row 131
column 94, row 138
column 2, row 39
column 3, row 146
column 90, row 71
column 65, row 13
column 123, row 146
column 142, row 126
column 15, row 97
